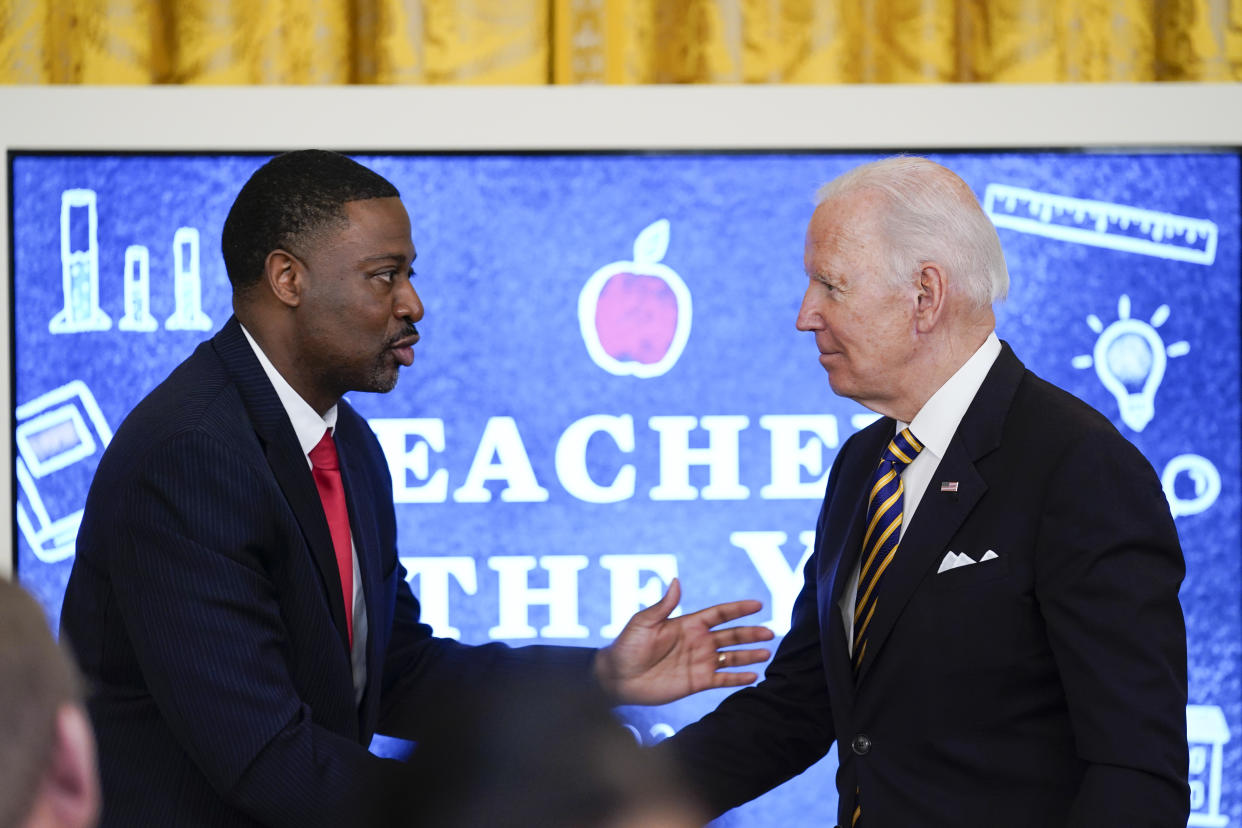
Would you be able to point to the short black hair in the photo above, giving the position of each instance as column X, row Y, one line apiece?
column 287, row 203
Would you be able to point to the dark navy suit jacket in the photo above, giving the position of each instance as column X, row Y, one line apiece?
column 204, row 607
column 1043, row 687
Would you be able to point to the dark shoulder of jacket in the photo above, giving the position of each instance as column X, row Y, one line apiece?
column 1061, row 421
column 197, row 395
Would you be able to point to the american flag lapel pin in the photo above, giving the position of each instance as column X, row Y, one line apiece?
column 948, row 485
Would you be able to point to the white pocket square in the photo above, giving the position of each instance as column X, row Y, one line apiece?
column 952, row 560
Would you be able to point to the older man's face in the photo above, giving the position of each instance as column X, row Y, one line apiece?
column 864, row 328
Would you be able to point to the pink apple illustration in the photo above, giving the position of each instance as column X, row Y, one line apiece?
column 635, row 316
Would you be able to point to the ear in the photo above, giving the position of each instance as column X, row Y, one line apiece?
column 72, row 781
column 931, row 287
column 285, row 276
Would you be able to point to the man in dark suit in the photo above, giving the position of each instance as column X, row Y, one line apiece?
column 989, row 626
column 237, row 604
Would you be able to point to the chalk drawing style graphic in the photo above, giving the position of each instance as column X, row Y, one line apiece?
column 54, row 432
column 1204, row 479
column 1130, row 358
column 635, row 316
column 79, row 265
column 137, row 291
column 657, row 733
column 187, row 284
column 1102, row 224
column 1207, row 732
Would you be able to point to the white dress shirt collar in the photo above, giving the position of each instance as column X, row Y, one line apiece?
column 307, row 423
column 309, row 428
column 938, row 419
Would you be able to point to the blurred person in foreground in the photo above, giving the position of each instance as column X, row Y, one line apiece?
column 537, row 753
column 989, row 627
column 47, row 752
column 237, row 603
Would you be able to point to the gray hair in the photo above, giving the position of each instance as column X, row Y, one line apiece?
column 930, row 214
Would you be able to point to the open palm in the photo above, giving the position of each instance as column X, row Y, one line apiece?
column 657, row 659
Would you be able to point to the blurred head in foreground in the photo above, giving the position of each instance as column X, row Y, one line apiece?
column 535, row 753
column 48, row 777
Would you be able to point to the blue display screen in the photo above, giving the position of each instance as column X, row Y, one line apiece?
column 610, row 391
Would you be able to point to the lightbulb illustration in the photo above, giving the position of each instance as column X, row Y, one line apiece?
column 1130, row 358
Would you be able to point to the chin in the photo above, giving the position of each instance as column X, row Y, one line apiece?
column 381, row 382
column 840, row 385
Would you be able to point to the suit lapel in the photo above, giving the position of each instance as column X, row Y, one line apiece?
column 841, row 541
column 845, row 528
column 363, row 524
column 361, row 516
column 922, row 545
column 941, row 514
column 285, row 458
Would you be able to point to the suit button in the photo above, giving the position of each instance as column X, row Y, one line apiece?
column 861, row 744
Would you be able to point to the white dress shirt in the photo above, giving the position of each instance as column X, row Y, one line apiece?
column 309, row 428
column 933, row 426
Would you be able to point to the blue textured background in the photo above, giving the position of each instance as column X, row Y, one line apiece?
column 505, row 244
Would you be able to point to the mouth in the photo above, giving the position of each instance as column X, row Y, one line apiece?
column 827, row 356
column 403, row 348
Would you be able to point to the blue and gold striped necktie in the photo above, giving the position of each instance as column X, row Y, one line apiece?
column 884, row 506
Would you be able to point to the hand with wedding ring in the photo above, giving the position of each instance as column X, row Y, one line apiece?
column 658, row 659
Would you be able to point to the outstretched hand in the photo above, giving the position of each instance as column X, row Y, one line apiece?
column 657, row 659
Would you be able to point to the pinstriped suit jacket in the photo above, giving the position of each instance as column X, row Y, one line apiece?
column 200, row 608
column 1042, row 688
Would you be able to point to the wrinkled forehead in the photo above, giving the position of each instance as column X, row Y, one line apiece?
column 849, row 219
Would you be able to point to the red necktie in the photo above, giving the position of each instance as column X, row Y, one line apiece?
column 326, row 469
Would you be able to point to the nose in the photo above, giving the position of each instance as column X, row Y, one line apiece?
column 406, row 303
column 808, row 318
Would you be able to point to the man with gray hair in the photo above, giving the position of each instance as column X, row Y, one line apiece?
column 48, row 777
column 989, row 626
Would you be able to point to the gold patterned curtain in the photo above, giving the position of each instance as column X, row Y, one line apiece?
column 617, row 41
